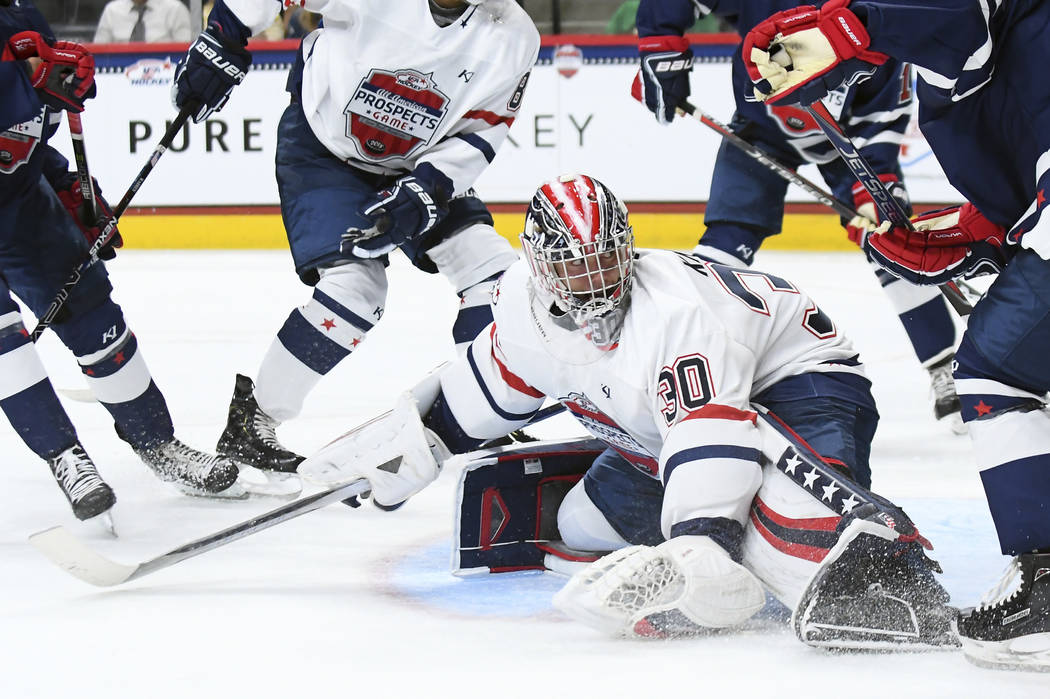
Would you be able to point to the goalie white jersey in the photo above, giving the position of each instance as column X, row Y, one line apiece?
column 385, row 88
column 699, row 341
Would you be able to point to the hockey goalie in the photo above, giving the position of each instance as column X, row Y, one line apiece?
column 732, row 425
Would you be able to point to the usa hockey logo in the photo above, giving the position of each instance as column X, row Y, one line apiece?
column 150, row 71
column 605, row 428
column 394, row 113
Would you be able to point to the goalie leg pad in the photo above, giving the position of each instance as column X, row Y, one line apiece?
column 507, row 505
column 394, row 452
column 875, row 591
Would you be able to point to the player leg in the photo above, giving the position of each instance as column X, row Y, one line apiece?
column 922, row 310
column 1002, row 378
column 472, row 255
column 848, row 562
column 320, row 197
column 34, row 411
column 93, row 328
column 745, row 207
column 654, row 588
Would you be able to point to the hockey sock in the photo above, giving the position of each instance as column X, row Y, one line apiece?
column 26, row 394
column 924, row 314
column 475, row 313
column 345, row 305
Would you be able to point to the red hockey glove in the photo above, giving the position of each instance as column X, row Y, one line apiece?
column 802, row 54
column 947, row 244
column 73, row 199
column 65, row 76
column 863, row 204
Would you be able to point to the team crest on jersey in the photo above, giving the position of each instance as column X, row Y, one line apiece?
column 18, row 143
column 605, row 428
column 394, row 113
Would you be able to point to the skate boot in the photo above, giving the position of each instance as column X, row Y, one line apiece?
column 250, row 437
column 946, row 406
column 87, row 493
column 194, row 472
column 1010, row 629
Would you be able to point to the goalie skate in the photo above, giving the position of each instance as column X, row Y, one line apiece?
column 875, row 592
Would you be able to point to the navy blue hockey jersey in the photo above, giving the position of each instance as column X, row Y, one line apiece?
column 25, row 125
column 984, row 99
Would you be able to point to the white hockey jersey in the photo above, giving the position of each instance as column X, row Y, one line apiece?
column 674, row 396
column 385, row 88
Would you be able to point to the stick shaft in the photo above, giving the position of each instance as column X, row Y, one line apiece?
column 111, row 225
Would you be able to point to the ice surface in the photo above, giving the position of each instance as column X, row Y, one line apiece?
column 348, row 602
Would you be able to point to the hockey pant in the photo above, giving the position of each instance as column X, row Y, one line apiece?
column 1002, row 377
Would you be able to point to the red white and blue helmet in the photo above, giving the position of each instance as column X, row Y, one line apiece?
column 580, row 247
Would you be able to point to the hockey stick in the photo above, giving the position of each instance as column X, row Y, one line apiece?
column 111, row 226
column 889, row 208
column 821, row 195
column 76, row 558
column 81, row 561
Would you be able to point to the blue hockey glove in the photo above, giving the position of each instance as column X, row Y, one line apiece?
column 666, row 64
column 405, row 211
column 206, row 76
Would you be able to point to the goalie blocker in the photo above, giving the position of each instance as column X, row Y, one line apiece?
column 848, row 563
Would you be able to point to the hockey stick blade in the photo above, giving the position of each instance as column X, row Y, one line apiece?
column 79, row 560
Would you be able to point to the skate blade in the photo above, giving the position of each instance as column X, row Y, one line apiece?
column 1029, row 653
column 274, row 484
column 234, row 492
column 104, row 522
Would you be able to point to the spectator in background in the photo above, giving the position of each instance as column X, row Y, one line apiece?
column 144, row 20
column 622, row 21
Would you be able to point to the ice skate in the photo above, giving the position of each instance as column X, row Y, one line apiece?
column 193, row 472
column 250, row 438
column 1010, row 629
column 88, row 494
column 946, row 406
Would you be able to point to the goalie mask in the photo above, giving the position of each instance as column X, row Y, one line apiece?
column 580, row 247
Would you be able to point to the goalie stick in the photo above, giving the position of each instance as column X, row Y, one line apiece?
column 81, row 561
column 111, row 226
column 76, row 558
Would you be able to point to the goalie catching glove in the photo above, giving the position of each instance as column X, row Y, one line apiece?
column 945, row 245
column 802, row 54
column 65, row 75
column 683, row 586
column 394, row 452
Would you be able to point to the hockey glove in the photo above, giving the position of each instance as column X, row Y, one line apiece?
column 863, row 204
column 65, row 75
column 666, row 64
column 802, row 54
column 206, row 76
column 407, row 210
column 73, row 199
column 947, row 244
